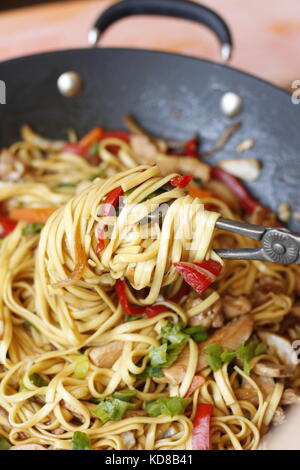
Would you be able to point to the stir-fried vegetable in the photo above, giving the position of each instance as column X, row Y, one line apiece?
column 125, row 395
column 126, row 306
column 246, row 352
column 174, row 334
column 199, row 275
column 75, row 149
column 136, row 310
column 246, row 200
column 164, row 355
column 150, row 372
column 122, row 135
column 31, row 229
column 32, row 215
column 174, row 339
column 201, row 427
column 181, row 181
column 7, row 225
column 171, row 406
column 111, row 409
column 64, row 185
column 201, row 193
column 36, row 379
column 81, row 441
column 216, row 355
column 191, row 148
column 153, row 310
column 81, row 366
column 198, row 333
column 110, row 203
column 91, row 137
column 4, row 444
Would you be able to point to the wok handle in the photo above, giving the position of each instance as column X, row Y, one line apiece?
column 176, row 8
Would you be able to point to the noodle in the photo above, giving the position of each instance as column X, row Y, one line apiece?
column 77, row 296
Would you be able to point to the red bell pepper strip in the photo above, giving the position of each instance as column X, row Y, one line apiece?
column 110, row 202
column 197, row 382
column 246, row 200
column 153, row 310
column 7, row 225
column 199, row 275
column 201, row 427
column 91, row 137
column 150, row 311
column 76, row 149
column 191, row 148
column 126, row 306
column 122, row 135
column 181, row 181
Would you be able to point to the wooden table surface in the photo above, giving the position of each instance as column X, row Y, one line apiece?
column 266, row 33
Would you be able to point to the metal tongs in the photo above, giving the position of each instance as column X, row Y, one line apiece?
column 279, row 245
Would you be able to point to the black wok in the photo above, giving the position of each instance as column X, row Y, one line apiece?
column 171, row 95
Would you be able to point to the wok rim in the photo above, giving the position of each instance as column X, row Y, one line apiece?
column 149, row 52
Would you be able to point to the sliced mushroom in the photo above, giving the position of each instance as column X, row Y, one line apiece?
column 280, row 345
column 290, row 397
column 235, row 306
column 74, row 411
column 279, row 417
column 269, row 369
column 165, row 430
column 230, row 336
column 246, row 144
column 247, row 169
column 284, row 212
column 105, row 356
column 128, row 439
column 28, row 447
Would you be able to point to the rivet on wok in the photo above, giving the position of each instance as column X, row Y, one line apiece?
column 70, row 84
column 231, row 104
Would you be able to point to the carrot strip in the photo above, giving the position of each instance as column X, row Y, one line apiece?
column 32, row 215
column 201, row 193
column 91, row 137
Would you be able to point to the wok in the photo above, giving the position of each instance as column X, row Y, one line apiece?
column 172, row 96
